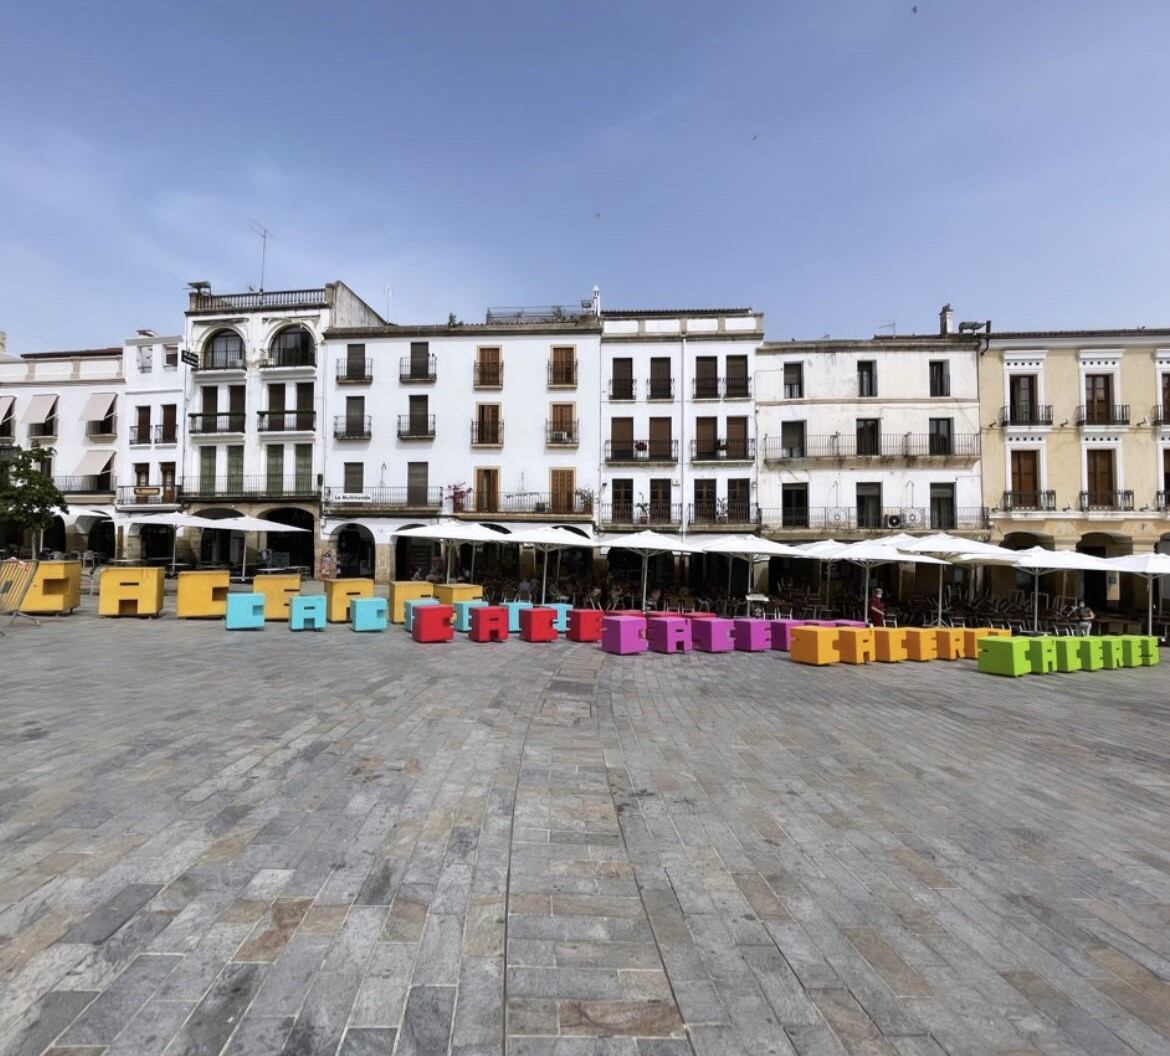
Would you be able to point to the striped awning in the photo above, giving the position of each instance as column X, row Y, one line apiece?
column 97, row 407
column 93, row 463
column 39, row 409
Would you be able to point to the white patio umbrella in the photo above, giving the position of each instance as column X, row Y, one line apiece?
column 872, row 552
column 1039, row 562
column 240, row 522
column 749, row 547
column 174, row 521
column 818, row 551
column 1147, row 566
column 649, row 544
column 548, row 540
column 453, row 532
column 951, row 548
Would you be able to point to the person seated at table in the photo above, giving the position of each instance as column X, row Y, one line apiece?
column 877, row 608
column 524, row 590
column 1084, row 616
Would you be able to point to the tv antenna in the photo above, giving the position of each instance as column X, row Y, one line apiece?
column 263, row 232
column 891, row 326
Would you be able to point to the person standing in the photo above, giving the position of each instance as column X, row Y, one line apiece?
column 877, row 609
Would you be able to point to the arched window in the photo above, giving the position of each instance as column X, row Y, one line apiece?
column 292, row 347
column 224, row 351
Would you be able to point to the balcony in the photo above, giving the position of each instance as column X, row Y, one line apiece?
column 287, row 421
column 382, row 499
column 102, row 484
column 205, row 424
column 259, row 486
column 1026, row 414
column 166, row 434
column 488, row 376
column 346, row 427
column 641, row 514
column 1118, row 501
column 736, row 387
column 149, row 495
column 416, row 427
column 487, row 434
column 888, row 445
column 741, row 450
column 641, row 451
column 46, row 430
column 840, row 519
column 660, row 389
column 1162, row 501
column 354, row 373
column 214, row 360
column 528, row 503
column 562, row 434
column 1103, row 414
column 722, row 514
column 623, row 389
column 417, row 370
column 1160, row 414
column 562, row 375
column 287, row 358
column 139, row 435
column 102, row 428
column 206, row 301
column 706, row 388
column 1028, row 501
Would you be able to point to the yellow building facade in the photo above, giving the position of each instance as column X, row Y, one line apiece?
column 1076, row 444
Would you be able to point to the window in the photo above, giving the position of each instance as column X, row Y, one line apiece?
column 487, row 427
column 739, row 500
column 420, row 359
column 1098, row 399
column 707, row 378
column 166, row 474
column 487, row 490
column 207, row 470
column 168, row 431
column 706, row 438
column 869, row 505
column 355, row 363
column 1100, row 467
column 417, row 483
column 1165, row 408
column 794, row 381
column 420, row 415
column 942, row 436
column 736, row 442
column 562, row 368
column 661, row 383
column 7, row 418
column 942, row 507
column 141, row 474
column 704, row 500
column 562, row 488
column 140, row 430
column 563, row 423
column 145, row 359
column 1025, row 493
column 869, row 436
column 792, row 439
column 940, row 377
column 225, row 351
column 794, row 505
column 303, row 454
column 489, row 370
column 867, row 377
column 659, row 510
column 170, row 357
column 737, row 385
column 1022, row 405
column 355, row 478
column 274, row 468
column 235, row 466
column 661, row 444
column 292, row 347
column 622, row 492
column 621, row 385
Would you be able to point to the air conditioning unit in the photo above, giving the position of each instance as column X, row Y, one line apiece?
column 893, row 520
column 913, row 518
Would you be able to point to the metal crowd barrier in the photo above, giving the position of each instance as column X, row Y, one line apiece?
column 16, row 577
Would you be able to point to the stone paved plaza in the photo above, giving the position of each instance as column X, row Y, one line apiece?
column 338, row 843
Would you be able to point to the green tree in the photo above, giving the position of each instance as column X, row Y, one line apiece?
column 28, row 499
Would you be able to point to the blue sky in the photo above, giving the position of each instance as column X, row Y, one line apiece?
column 840, row 164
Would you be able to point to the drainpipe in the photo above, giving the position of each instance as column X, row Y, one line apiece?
column 682, row 443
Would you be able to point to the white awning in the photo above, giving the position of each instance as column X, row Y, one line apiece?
column 93, row 463
column 97, row 407
column 6, row 403
column 39, row 409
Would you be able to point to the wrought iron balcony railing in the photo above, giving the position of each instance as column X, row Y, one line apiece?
column 939, row 518
column 227, row 422
column 99, row 484
column 887, row 445
column 257, row 486
column 660, row 388
column 641, row 451
column 728, row 450
column 1103, row 414
column 488, row 375
column 166, row 434
column 412, row 369
column 562, row 375
column 149, row 494
column 562, row 434
column 623, row 389
column 528, row 502
column 636, row 514
column 351, row 427
column 353, row 373
column 1121, row 501
column 289, row 357
column 140, row 434
column 216, row 360
column 1026, row 414
column 1028, row 500
column 416, row 426
column 722, row 512
column 287, row 421
column 487, row 434
column 384, row 498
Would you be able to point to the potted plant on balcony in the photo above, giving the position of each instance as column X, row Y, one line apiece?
column 639, row 445
column 720, row 511
column 458, row 494
column 584, row 499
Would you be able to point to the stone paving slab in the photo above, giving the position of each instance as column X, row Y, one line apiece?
column 341, row 844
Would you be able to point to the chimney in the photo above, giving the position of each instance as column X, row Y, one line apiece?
column 597, row 301
column 946, row 320
column 3, row 342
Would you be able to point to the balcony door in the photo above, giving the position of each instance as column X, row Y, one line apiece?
column 142, row 424
column 704, row 500
column 622, row 380
column 237, row 395
column 304, row 405
column 417, row 483
column 621, row 438
column 660, row 496
column 419, row 415
column 562, row 485
column 420, row 359
column 739, row 500
column 942, row 507
column 706, row 437
column 235, row 469
column 737, row 437
column 1099, row 469
column 1099, row 398
column 167, row 480
column 355, row 415
column 487, row 423
column 869, row 436
column 794, row 505
column 1022, row 399
column 660, row 387
column 207, row 469
column 869, row 505
column 660, row 438
column 736, row 383
column 564, row 365
column 487, row 490
column 488, row 366
column 1166, row 397
column 355, row 361
column 169, row 431
column 274, row 466
column 622, row 491
column 1026, row 478
column 706, row 377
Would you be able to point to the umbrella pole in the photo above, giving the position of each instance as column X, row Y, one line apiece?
column 243, row 556
column 543, row 577
column 1149, row 605
column 474, row 547
column 1036, row 602
column 865, row 597
column 450, row 547
column 940, row 592
column 645, row 562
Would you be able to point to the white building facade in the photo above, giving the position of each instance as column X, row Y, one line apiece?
column 870, row 436
column 677, row 425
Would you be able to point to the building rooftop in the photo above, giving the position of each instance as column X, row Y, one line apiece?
column 669, row 313
column 80, row 353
